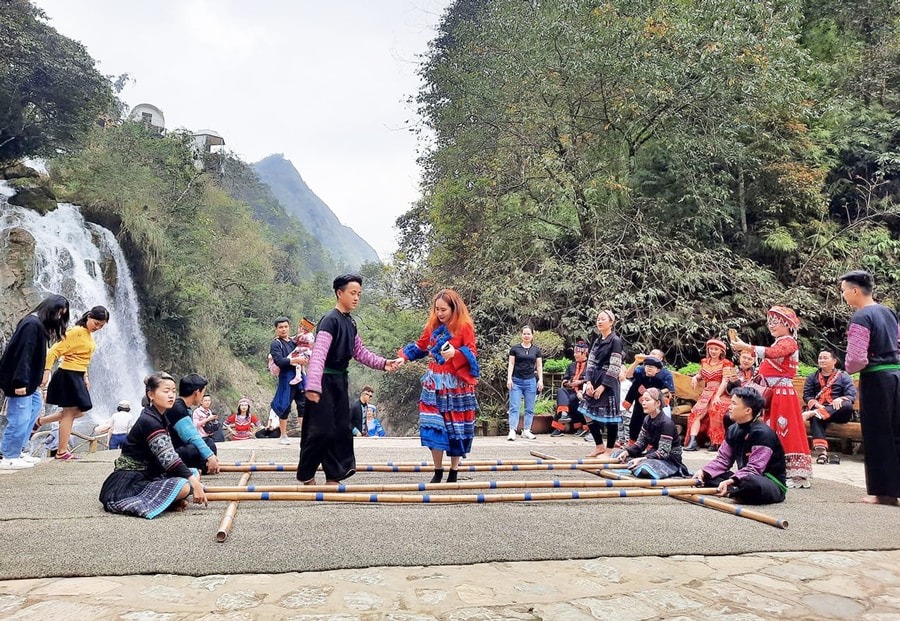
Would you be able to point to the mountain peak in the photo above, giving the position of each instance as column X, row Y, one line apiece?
column 301, row 202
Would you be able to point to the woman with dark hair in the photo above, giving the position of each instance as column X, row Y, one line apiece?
column 601, row 391
column 149, row 476
column 657, row 452
column 21, row 373
column 447, row 402
column 524, row 377
column 709, row 412
column 69, row 387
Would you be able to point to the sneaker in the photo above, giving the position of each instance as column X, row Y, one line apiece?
column 556, row 433
column 67, row 456
column 526, row 433
column 565, row 418
column 15, row 464
column 29, row 458
column 284, row 440
column 583, row 433
column 512, row 436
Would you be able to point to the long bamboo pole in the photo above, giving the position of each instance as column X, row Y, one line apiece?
column 532, row 467
column 704, row 501
column 227, row 522
column 485, row 462
column 433, row 487
column 450, row 498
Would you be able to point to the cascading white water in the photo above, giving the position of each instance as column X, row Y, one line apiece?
column 70, row 258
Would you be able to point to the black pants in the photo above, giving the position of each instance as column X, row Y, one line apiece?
column 753, row 490
column 817, row 426
column 569, row 398
column 191, row 456
column 612, row 432
column 637, row 421
column 326, row 438
column 879, row 417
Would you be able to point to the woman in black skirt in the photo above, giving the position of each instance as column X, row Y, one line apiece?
column 69, row 386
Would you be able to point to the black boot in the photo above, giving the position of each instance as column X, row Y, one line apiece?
column 451, row 476
column 438, row 475
column 692, row 445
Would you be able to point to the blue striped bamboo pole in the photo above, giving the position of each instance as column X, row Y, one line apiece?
column 426, row 468
column 227, row 522
column 460, row 485
column 450, row 498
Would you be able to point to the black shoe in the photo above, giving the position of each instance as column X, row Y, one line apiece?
column 438, row 475
column 565, row 418
column 692, row 446
column 555, row 433
column 451, row 476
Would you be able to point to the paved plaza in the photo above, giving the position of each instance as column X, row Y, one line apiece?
column 810, row 584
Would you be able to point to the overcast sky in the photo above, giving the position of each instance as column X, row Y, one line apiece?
column 325, row 83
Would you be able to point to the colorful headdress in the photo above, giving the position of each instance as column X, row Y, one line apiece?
column 581, row 344
column 786, row 315
column 307, row 324
column 244, row 401
column 717, row 343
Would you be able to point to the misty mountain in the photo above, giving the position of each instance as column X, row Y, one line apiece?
column 301, row 202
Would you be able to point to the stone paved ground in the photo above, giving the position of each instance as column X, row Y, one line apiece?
column 862, row 585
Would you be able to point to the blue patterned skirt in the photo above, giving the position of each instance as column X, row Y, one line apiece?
column 447, row 408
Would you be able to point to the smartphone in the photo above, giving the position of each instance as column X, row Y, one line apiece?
column 732, row 335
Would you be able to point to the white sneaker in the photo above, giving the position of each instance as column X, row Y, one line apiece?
column 29, row 458
column 284, row 440
column 526, row 433
column 15, row 464
column 512, row 435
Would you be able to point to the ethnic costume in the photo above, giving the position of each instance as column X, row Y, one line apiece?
column 660, row 444
column 639, row 384
column 289, row 390
column 326, row 438
column 149, row 473
column 872, row 349
column 447, row 402
column 783, row 414
column 603, row 366
column 567, row 400
column 242, row 424
column 756, row 451
column 712, row 376
column 193, row 448
column 819, row 393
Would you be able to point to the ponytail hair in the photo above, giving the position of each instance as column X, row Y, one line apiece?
column 98, row 313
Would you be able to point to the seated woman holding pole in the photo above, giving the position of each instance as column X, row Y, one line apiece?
column 656, row 454
column 149, row 476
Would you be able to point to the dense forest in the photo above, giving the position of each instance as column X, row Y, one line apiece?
column 686, row 164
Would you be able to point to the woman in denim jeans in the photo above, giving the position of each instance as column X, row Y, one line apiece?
column 524, row 376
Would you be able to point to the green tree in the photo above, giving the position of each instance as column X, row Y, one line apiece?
column 50, row 90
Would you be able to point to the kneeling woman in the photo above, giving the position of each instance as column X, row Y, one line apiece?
column 657, row 452
column 149, row 476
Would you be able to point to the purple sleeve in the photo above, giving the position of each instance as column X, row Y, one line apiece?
column 364, row 356
column 721, row 463
column 317, row 362
column 756, row 463
column 857, row 348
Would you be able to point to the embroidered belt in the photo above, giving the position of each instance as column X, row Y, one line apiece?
column 881, row 367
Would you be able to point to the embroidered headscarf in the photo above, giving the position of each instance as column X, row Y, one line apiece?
column 785, row 316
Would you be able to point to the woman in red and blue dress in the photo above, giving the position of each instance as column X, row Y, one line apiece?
column 783, row 412
column 447, row 403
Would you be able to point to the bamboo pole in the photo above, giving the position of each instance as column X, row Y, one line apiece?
column 450, row 498
column 227, row 522
column 445, row 465
column 734, row 509
column 531, row 467
column 433, row 487
column 704, row 501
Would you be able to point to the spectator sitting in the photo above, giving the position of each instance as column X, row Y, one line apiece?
column 649, row 378
column 636, row 369
column 195, row 451
column 118, row 425
column 373, row 426
column 829, row 394
column 754, row 448
column 569, row 395
column 242, row 423
column 272, row 428
column 206, row 421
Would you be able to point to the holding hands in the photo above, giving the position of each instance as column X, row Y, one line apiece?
column 393, row 365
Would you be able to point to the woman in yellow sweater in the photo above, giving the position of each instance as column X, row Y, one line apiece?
column 70, row 384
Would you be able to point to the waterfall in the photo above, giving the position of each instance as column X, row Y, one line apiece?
column 84, row 262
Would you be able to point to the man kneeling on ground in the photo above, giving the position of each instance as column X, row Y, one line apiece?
column 195, row 451
column 754, row 448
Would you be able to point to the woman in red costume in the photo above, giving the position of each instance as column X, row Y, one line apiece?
column 783, row 413
column 707, row 414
